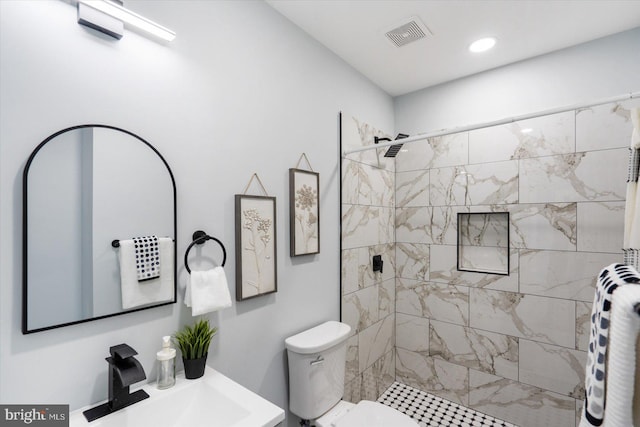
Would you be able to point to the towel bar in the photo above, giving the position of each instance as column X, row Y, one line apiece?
column 199, row 237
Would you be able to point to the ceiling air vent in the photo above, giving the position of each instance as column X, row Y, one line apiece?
column 408, row 32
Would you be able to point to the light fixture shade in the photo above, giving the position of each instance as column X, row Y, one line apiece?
column 100, row 21
column 128, row 17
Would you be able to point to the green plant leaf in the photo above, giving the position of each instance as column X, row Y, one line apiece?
column 194, row 341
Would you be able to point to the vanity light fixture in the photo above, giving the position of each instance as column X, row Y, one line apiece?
column 115, row 10
column 482, row 45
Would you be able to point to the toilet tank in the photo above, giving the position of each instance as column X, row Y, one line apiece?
column 317, row 360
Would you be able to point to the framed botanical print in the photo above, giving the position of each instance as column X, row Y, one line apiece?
column 304, row 212
column 256, row 263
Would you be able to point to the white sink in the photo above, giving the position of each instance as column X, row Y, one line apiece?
column 212, row 401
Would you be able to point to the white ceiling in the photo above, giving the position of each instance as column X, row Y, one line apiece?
column 355, row 31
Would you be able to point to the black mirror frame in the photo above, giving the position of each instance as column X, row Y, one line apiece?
column 25, row 329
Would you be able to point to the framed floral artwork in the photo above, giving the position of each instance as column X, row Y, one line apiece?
column 256, row 266
column 304, row 212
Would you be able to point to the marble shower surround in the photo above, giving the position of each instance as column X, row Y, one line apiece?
column 510, row 346
column 368, row 228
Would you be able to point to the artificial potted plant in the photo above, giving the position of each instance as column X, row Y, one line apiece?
column 193, row 342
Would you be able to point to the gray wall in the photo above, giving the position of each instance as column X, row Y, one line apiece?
column 240, row 90
column 599, row 69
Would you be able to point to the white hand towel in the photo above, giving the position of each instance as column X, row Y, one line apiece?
column 136, row 294
column 207, row 291
column 625, row 328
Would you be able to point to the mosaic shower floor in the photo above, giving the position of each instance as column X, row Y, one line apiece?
column 433, row 411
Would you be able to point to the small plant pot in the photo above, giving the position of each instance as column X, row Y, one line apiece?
column 194, row 368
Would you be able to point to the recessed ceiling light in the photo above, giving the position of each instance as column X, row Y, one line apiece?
column 526, row 130
column 482, row 45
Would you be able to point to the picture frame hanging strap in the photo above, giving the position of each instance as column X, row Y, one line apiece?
column 255, row 175
column 304, row 155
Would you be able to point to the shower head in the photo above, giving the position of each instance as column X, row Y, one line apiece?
column 394, row 149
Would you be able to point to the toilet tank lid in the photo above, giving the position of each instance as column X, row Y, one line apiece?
column 318, row 338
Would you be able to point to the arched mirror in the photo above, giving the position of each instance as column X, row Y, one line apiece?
column 85, row 189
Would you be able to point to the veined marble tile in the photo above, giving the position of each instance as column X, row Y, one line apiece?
column 376, row 341
column 366, row 226
column 543, row 226
column 355, row 134
column 486, row 351
column 412, row 333
column 583, row 324
column 543, row 319
column 413, row 225
column 569, row 275
column 360, row 308
column 492, row 183
column 357, row 270
column 579, row 406
column 443, row 269
column 604, row 126
column 412, row 260
column 414, row 156
column 387, row 298
column 353, row 390
column 444, row 224
column 540, row 136
column 574, row 177
column 435, row 376
column 488, row 183
column 351, row 280
column 448, row 150
column 553, row 368
column 484, row 259
column 350, row 180
column 376, row 187
column 448, row 186
column 600, row 226
column 484, row 229
column 387, row 251
column 518, row 403
column 378, row 377
column 369, row 385
column 412, row 189
column 352, row 364
column 438, row 301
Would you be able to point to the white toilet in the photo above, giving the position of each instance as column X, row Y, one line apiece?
column 316, row 382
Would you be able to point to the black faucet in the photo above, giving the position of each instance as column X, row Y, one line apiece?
column 124, row 370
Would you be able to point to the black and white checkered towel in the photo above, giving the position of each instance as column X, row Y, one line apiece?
column 147, row 257
column 609, row 279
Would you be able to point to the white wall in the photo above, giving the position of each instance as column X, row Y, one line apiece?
column 240, row 90
column 606, row 67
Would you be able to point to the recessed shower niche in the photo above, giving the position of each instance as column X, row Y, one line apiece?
column 483, row 242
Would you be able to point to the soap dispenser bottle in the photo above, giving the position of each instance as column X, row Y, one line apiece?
column 167, row 364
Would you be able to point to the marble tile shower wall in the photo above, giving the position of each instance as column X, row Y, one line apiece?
column 368, row 228
column 511, row 346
